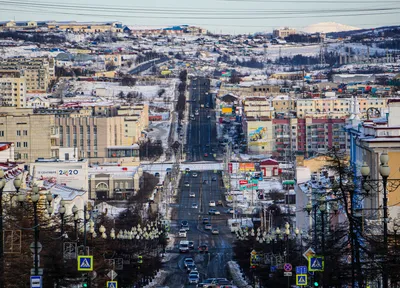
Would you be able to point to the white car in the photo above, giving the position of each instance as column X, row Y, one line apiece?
column 212, row 203
column 192, row 195
column 182, row 233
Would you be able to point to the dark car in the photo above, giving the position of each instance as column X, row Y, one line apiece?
column 191, row 244
column 205, row 181
column 214, row 178
column 206, row 221
column 203, row 248
column 190, row 267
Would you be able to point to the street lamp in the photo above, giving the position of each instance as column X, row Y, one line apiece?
column 384, row 171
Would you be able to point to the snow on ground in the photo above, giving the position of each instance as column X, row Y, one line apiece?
column 159, row 130
column 158, row 279
column 28, row 51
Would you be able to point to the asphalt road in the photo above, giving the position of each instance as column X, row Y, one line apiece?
column 201, row 131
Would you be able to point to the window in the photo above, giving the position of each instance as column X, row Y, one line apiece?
column 25, row 144
column 25, row 133
column 18, row 132
column 18, row 144
column 25, row 155
column 1, row 133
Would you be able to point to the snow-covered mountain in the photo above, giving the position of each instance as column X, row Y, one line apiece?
column 327, row 27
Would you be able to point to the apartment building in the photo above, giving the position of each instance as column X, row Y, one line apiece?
column 284, row 104
column 12, row 88
column 253, row 90
column 86, row 27
column 337, row 107
column 259, row 134
column 38, row 72
column 34, row 136
column 136, row 118
column 285, row 136
column 257, row 107
column 284, row 32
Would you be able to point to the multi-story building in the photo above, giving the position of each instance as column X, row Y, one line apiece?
column 38, row 72
column 259, row 134
column 284, row 104
column 284, row 32
column 285, row 136
column 337, row 107
column 12, row 89
column 86, row 27
column 34, row 136
column 257, row 107
column 136, row 119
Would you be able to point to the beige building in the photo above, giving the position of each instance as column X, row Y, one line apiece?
column 38, row 72
column 257, row 107
column 136, row 119
column 12, row 89
column 284, row 104
column 34, row 136
column 244, row 91
column 284, row 32
column 259, row 135
column 86, row 27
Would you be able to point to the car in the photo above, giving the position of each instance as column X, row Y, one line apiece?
column 184, row 246
column 205, row 154
column 194, row 175
column 219, row 203
column 187, row 184
column 207, row 105
column 215, row 231
column 182, row 233
column 205, row 181
column 208, row 116
column 157, row 174
column 195, row 206
column 194, row 273
column 191, row 116
column 213, row 212
column 187, row 170
column 207, row 227
column 230, row 211
column 203, row 248
column 191, row 268
column 206, row 220
column 192, row 195
column 214, row 178
column 211, row 203
column 185, row 225
column 193, row 279
column 187, row 261
column 191, row 245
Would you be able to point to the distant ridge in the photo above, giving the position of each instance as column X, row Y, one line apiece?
column 328, row 27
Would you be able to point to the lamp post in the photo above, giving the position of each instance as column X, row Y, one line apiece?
column 2, row 185
column 384, row 171
column 35, row 196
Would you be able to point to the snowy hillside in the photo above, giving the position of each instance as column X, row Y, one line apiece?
column 327, row 27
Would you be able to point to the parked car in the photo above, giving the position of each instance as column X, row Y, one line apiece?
column 211, row 203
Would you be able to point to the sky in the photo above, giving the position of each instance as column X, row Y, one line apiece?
column 227, row 16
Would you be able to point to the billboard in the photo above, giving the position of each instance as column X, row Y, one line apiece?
column 246, row 167
column 74, row 176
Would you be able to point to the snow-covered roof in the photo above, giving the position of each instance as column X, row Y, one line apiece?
column 66, row 193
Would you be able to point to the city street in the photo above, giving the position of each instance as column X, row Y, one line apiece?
column 196, row 190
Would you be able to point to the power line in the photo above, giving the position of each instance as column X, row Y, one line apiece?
column 316, row 1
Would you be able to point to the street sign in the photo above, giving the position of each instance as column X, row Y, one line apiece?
column 287, row 267
column 112, row 274
column 301, row 280
column 316, row 263
column 85, row 263
column 112, row 284
column 273, row 269
column 287, row 274
column 301, row 269
column 40, row 271
column 310, row 252
column 39, row 247
column 36, row 281
column 242, row 182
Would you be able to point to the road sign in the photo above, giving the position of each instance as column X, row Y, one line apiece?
column 36, row 281
column 301, row 269
column 40, row 271
column 112, row 284
column 39, row 247
column 287, row 267
column 316, row 263
column 273, row 269
column 287, row 274
column 112, row 274
column 85, row 263
column 310, row 252
column 301, row 280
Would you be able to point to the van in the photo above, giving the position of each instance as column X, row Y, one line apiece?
column 184, row 246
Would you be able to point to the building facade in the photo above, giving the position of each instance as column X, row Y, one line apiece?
column 284, row 32
column 12, row 89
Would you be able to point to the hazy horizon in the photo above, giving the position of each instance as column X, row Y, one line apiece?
column 231, row 16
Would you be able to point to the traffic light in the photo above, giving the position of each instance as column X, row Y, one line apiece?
column 316, row 284
column 84, row 284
